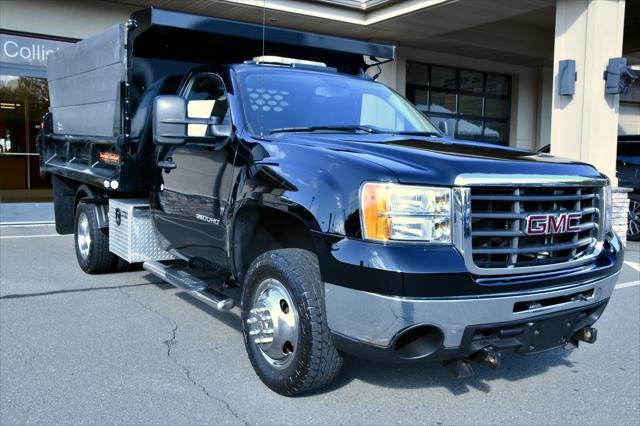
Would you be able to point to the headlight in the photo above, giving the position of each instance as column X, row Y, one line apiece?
column 608, row 207
column 405, row 213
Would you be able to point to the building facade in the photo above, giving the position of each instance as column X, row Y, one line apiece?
column 486, row 69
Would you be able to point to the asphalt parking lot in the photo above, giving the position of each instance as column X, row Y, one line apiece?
column 127, row 349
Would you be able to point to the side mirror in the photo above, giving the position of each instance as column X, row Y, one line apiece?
column 220, row 130
column 172, row 125
column 444, row 128
column 169, row 120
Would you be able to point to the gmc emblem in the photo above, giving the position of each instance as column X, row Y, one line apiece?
column 543, row 224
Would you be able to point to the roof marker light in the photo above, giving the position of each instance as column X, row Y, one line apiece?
column 281, row 60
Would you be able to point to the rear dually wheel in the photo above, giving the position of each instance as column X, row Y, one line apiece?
column 92, row 242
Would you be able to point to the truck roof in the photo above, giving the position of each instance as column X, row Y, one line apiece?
column 249, row 65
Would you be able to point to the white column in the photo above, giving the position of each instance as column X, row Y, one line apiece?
column 388, row 73
column 584, row 126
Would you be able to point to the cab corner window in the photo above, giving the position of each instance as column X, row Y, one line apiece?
column 207, row 98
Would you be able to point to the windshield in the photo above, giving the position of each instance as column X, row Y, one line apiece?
column 280, row 100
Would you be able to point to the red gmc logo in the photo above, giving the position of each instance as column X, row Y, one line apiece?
column 543, row 224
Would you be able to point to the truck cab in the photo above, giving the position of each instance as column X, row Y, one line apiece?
column 350, row 222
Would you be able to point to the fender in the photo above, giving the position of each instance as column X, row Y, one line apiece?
column 87, row 195
column 317, row 181
column 249, row 213
column 310, row 200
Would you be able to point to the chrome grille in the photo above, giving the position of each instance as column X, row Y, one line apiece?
column 498, row 220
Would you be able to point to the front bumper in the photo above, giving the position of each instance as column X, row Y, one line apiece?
column 370, row 324
column 440, row 271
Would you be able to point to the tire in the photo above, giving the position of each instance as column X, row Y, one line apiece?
column 633, row 229
column 309, row 358
column 91, row 242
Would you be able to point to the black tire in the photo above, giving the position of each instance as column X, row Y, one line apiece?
column 315, row 360
column 94, row 257
column 633, row 230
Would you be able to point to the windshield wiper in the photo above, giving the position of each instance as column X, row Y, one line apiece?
column 343, row 128
column 351, row 128
column 417, row 133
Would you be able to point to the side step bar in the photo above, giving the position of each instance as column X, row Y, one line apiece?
column 191, row 284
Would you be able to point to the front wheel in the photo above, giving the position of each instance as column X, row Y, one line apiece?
column 92, row 242
column 284, row 325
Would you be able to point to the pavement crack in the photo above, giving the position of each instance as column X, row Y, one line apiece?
column 77, row 290
column 170, row 344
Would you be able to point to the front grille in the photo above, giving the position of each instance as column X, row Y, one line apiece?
column 498, row 222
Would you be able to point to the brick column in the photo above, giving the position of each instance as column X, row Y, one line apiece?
column 620, row 212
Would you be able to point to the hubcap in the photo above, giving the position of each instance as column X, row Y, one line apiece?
column 634, row 219
column 84, row 236
column 273, row 323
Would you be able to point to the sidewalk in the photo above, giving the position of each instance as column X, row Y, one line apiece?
column 23, row 213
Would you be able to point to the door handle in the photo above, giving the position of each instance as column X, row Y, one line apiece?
column 166, row 164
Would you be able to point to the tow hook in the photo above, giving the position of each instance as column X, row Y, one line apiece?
column 587, row 334
column 488, row 357
column 460, row 368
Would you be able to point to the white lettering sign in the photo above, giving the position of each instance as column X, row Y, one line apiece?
column 27, row 50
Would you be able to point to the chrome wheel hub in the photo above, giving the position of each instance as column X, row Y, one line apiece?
column 84, row 236
column 634, row 218
column 273, row 323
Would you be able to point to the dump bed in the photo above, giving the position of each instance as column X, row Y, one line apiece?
column 102, row 88
column 85, row 84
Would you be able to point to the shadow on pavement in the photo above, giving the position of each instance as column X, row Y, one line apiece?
column 433, row 374
column 414, row 375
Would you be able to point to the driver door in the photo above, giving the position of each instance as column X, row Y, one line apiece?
column 192, row 198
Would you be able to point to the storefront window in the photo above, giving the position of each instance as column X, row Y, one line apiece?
column 474, row 104
column 24, row 99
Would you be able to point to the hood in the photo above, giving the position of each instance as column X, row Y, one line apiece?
column 438, row 161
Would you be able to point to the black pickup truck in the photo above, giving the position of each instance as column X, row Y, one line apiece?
column 350, row 222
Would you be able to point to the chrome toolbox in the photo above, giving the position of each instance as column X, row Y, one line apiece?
column 131, row 232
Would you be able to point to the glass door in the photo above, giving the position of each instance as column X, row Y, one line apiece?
column 23, row 102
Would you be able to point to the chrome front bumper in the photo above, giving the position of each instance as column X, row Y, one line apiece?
column 376, row 320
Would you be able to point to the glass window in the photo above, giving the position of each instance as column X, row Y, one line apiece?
column 471, row 80
column 207, row 97
column 448, row 126
column 23, row 103
column 279, row 99
column 474, row 104
column 470, row 105
column 443, row 77
column 495, row 131
column 497, row 108
column 377, row 112
column 470, row 129
column 442, row 102
column 497, row 84
column 422, row 100
column 417, row 74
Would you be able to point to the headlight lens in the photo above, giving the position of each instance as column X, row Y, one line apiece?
column 608, row 207
column 405, row 213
